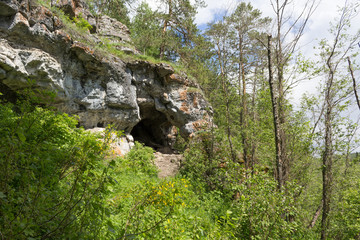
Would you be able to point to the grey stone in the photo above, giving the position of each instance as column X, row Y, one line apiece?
column 159, row 105
column 109, row 27
column 8, row 8
column 164, row 69
column 67, row 6
column 128, row 50
column 120, row 96
column 100, row 89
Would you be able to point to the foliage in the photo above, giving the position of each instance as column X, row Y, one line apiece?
column 346, row 220
column 113, row 8
column 145, row 30
column 208, row 163
column 53, row 178
column 59, row 182
column 140, row 159
column 82, row 23
column 145, row 207
column 262, row 212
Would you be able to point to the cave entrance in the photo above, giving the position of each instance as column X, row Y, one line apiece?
column 154, row 131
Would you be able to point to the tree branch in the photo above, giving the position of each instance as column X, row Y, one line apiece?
column 354, row 82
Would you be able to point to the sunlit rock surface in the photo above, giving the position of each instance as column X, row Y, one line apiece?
column 139, row 97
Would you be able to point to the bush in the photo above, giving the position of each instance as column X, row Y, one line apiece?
column 208, row 164
column 346, row 220
column 53, row 177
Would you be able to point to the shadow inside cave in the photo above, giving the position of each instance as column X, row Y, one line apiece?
column 154, row 130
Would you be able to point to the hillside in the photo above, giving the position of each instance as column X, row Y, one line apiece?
column 157, row 129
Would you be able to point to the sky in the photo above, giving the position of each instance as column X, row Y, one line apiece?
column 317, row 28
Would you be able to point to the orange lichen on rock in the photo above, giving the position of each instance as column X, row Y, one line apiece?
column 175, row 77
column 200, row 124
column 116, row 152
column 184, row 107
column 66, row 37
column 195, row 102
column 183, row 95
column 57, row 23
column 178, row 78
column 78, row 45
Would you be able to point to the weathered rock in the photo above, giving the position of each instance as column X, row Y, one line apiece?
column 139, row 97
column 119, row 145
column 67, row 6
column 19, row 22
column 8, row 8
column 82, row 11
column 112, row 29
column 164, row 69
column 44, row 16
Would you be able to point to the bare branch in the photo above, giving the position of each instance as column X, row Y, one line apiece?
column 316, row 216
column 354, row 82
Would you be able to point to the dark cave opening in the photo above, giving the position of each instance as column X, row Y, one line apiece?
column 155, row 132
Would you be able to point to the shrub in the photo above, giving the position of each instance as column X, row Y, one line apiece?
column 53, row 177
column 208, row 163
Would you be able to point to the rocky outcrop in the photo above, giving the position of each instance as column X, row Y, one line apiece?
column 139, row 97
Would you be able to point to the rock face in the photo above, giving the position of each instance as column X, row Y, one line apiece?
column 139, row 97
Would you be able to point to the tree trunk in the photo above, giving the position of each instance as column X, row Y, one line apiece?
column 316, row 215
column 354, row 82
column 253, row 143
column 227, row 104
column 326, row 173
column 327, row 156
column 281, row 104
column 163, row 35
column 242, row 98
column 276, row 120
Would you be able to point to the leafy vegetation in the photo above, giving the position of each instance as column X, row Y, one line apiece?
column 59, row 183
column 266, row 171
column 54, row 177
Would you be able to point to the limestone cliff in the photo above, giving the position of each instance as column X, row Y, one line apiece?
column 139, row 97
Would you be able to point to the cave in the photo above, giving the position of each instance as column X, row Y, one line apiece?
column 154, row 130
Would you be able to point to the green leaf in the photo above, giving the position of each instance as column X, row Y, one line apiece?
column 2, row 195
column 21, row 135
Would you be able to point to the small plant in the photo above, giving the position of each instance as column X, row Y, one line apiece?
column 82, row 23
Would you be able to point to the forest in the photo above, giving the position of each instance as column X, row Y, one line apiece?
column 263, row 169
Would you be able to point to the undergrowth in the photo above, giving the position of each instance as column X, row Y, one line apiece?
column 60, row 182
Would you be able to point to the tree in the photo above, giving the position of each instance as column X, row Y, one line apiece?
column 113, row 8
column 245, row 22
column 336, row 89
column 221, row 38
column 178, row 26
column 287, row 27
column 145, row 30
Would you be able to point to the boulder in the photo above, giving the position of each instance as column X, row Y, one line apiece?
column 112, row 29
